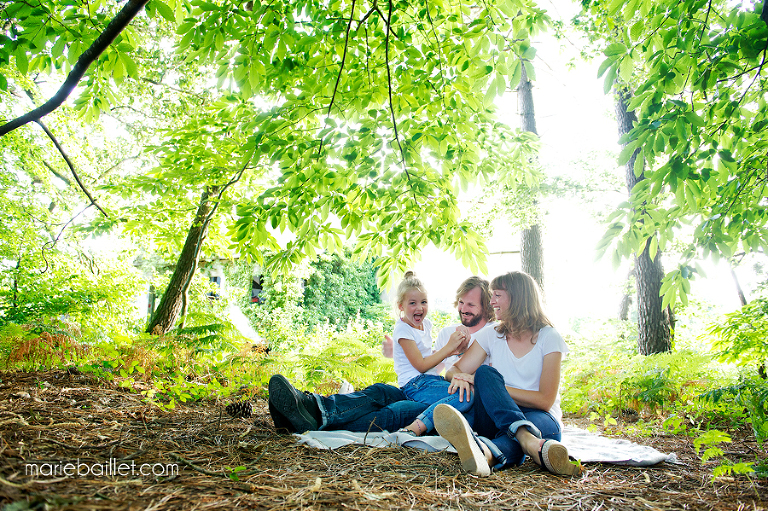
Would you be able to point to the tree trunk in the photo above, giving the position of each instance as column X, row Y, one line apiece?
column 532, row 248
column 172, row 301
column 654, row 332
column 739, row 291
column 626, row 299
column 533, row 254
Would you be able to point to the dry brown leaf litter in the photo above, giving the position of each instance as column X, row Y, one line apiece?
column 52, row 418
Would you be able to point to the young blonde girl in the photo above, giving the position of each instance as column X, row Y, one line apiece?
column 415, row 362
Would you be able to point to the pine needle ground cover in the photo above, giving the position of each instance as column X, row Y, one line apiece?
column 198, row 457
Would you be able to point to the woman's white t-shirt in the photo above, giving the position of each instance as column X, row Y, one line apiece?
column 525, row 372
column 405, row 371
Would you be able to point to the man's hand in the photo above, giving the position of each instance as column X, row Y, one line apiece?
column 462, row 383
column 388, row 347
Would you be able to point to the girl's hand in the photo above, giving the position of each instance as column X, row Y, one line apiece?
column 458, row 341
column 462, row 383
column 462, row 328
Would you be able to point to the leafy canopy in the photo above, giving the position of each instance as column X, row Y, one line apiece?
column 697, row 70
column 337, row 119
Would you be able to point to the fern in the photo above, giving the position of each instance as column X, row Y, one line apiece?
column 750, row 394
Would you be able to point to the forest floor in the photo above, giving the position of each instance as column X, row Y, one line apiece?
column 51, row 419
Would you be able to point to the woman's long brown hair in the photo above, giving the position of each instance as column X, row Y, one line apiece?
column 525, row 312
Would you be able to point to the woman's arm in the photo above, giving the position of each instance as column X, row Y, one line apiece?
column 462, row 374
column 544, row 398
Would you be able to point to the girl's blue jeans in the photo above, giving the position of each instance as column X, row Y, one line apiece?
column 432, row 390
column 496, row 416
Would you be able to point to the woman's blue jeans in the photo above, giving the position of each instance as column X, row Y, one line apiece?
column 432, row 390
column 380, row 407
column 496, row 416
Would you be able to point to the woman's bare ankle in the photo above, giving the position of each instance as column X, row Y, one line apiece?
column 529, row 443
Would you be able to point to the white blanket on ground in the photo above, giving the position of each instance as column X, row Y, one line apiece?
column 581, row 444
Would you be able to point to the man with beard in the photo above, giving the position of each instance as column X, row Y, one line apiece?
column 380, row 407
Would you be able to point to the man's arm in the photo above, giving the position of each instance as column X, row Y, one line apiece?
column 388, row 347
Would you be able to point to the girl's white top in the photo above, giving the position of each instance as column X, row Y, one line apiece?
column 525, row 372
column 405, row 371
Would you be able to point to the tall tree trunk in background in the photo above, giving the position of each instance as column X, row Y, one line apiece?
column 654, row 332
column 626, row 299
column 173, row 299
column 532, row 248
column 739, row 291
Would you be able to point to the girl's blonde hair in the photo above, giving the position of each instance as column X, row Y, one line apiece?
column 408, row 283
column 525, row 311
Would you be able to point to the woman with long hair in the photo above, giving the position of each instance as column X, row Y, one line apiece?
column 516, row 408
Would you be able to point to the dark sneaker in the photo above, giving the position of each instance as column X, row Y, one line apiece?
column 295, row 406
column 281, row 423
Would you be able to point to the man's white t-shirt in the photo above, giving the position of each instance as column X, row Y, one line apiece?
column 525, row 372
column 405, row 371
column 442, row 339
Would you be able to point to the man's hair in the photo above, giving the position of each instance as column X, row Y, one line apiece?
column 485, row 295
column 525, row 311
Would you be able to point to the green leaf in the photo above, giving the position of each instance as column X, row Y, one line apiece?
column 627, row 152
column 530, row 70
column 130, row 66
column 530, row 53
column 636, row 30
column 165, row 11
column 626, row 69
column 615, row 50
column 22, row 63
column 604, row 65
column 610, row 78
column 516, row 75
column 695, row 119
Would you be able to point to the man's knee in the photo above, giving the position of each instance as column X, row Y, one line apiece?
column 385, row 394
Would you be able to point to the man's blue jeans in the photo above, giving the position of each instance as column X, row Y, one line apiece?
column 380, row 407
column 496, row 416
column 432, row 390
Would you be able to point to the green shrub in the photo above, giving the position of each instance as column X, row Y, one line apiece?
column 604, row 375
column 743, row 337
column 329, row 356
column 95, row 297
column 749, row 395
column 338, row 290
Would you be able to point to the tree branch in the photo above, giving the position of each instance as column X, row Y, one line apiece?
column 343, row 57
column 389, row 89
column 51, row 244
column 56, row 173
column 117, row 25
column 201, row 97
column 71, row 166
column 341, row 69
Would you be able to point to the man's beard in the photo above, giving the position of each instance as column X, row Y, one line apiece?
column 470, row 321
